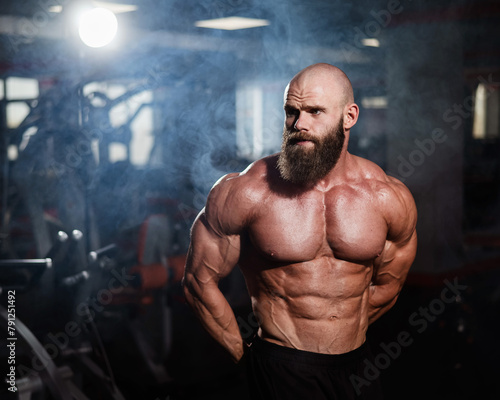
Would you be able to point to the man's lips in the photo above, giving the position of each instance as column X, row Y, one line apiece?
column 301, row 141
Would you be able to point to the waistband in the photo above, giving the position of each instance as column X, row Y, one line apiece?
column 272, row 350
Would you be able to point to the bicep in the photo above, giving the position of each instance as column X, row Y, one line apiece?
column 400, row 212
column 392, row 266
column 216, row 235
column 211, row 255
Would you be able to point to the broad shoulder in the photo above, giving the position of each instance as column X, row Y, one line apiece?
column 247, row 185
column 390, row 195
column 366, row 170
column 368, row 173
column 233, row 199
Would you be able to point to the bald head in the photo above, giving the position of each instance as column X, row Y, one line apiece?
column 331, row 78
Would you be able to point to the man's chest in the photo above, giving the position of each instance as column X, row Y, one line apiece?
column 342, row 223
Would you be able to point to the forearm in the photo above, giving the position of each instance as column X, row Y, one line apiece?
column 381, row 301
column 217, row 317
column 389, row 276
column 213, row 253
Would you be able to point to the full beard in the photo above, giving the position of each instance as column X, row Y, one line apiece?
column 301, row 165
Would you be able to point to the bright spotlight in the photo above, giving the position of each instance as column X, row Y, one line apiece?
column 98, row 27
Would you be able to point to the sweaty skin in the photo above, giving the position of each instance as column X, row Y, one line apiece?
column 321, row 260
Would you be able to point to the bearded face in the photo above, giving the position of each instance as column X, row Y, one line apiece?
column 301, row 164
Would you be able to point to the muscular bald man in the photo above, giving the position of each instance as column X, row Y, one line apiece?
column 324, row 239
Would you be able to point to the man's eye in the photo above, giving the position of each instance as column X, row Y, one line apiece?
column 315, row 111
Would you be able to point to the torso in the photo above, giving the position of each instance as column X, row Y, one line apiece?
column 308, row 258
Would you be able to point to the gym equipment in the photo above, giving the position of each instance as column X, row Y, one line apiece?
column 49, row 197
column 19, row 276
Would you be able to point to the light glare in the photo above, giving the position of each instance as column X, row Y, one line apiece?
column 374, row 102
column 98, row 27
column 370, row 42
column 232, row 23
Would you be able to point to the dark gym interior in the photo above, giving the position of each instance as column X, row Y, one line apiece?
column 108, row 152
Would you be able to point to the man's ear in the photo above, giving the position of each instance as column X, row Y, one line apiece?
column 351, row 113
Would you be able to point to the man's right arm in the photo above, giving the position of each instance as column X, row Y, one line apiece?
column 392, row 266
column 213, row 253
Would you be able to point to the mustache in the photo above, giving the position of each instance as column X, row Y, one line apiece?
column 295, row 137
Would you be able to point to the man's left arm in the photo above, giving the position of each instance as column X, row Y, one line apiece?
column 392, row 266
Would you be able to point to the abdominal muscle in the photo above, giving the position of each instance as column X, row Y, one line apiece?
column 318, row 306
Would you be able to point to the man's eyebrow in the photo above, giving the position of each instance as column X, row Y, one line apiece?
column 309, row 107
column 305, row 107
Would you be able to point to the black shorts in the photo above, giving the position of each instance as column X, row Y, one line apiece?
column 282, row 373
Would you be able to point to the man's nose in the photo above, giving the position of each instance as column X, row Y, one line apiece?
column 300, row 122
